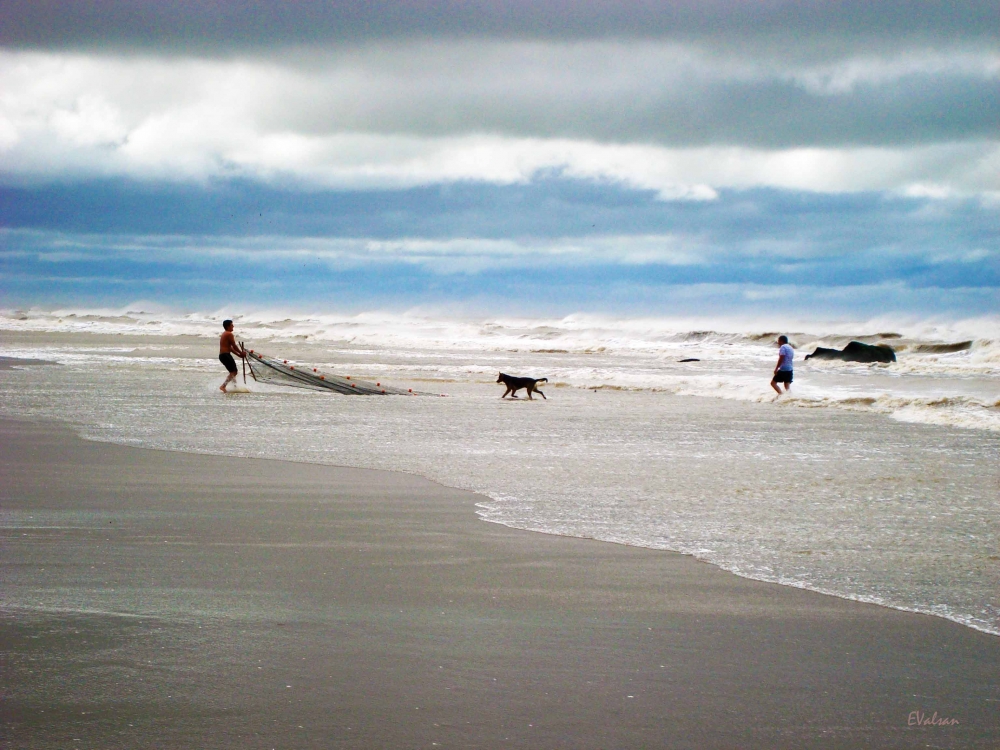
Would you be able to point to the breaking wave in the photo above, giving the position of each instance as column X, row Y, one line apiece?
column 947, row 372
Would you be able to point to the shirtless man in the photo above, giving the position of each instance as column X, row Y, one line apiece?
column 227, row 348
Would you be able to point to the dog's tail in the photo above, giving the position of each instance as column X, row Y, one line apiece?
column 542, row 380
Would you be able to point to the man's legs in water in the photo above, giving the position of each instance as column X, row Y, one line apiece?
column 229, row 379
column 227, row 360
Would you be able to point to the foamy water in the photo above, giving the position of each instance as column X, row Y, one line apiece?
column 874, row 482
column 947, row 373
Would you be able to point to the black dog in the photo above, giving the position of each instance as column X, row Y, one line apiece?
column 515, row 384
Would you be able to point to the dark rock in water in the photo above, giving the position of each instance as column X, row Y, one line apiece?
column 822, row 352
column 689, row 359
column 856, row 352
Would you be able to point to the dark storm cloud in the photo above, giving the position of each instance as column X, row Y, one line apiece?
column 166, row 25
column 652, row 96
column 72, row 113
column 554, row 244
column 743, row 236
column 200, row 89
column 546, row 208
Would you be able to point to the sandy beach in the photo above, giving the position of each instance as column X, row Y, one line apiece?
column 172, row 600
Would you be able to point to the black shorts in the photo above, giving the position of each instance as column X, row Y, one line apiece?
column 229, row 362
column 782, row 376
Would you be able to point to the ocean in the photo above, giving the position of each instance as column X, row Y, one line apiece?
column 870, row 482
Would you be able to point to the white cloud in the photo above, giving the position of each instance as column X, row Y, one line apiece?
column 921, row 190
column 442, row 255
column 787, row 254
column 92, row 121
column 845, row 76
column 377, row 117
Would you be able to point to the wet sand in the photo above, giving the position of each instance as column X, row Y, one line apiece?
column 9, row 363
column 170, row 600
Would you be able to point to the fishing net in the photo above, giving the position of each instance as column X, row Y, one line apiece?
column 266, row 369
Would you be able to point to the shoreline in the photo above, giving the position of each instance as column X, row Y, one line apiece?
column 480, row 505
column 294, row 604
column 869, row 601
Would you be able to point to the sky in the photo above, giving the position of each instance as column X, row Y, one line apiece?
column 737, row 157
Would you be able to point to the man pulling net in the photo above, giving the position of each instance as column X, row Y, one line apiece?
column 228, row 346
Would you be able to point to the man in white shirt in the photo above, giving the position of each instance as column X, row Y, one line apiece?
column 783, row 370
